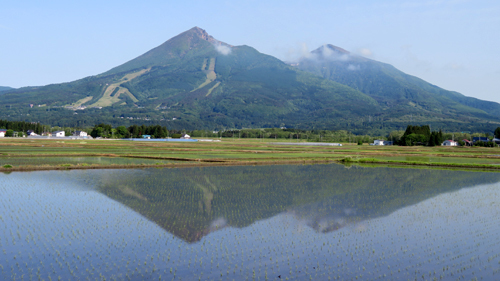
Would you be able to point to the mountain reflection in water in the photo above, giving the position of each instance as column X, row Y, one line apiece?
column 315, row 222
column 193, row 202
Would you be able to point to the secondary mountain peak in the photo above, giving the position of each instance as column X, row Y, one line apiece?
column 328, row 48
column 329, row 52
column 392, row 89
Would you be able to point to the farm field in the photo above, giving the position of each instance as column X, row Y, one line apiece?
column 35, row 154
column 269, row 222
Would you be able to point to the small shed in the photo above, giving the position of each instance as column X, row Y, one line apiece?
column 2, row 133
column 146, row 137
column 186, row 136
column 449, row 143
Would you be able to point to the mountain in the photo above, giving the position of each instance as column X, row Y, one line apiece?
column 3, row 88
column 393, row 90
column 194, row 81
column 202, row 83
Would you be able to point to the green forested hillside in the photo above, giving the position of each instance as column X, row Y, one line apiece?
column 393, row 89
column 3, row 88
column 194, row 81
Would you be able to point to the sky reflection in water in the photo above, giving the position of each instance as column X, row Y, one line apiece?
column 297, row 222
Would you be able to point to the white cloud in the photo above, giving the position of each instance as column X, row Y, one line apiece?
column 223, row 49
column 365, row 52
column 218, row 223
column 298, row 52
column 353, row 67
column 304, row 50
column 333, row 55
column 414, row 61
column 327, row 52
column 453, row 66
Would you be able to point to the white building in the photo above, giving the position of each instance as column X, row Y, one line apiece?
column 59, row 134
column 381, row 142
column 80, row 134
column 31, row 133
column 185, row 136
column 2, row 133
column 449, row 143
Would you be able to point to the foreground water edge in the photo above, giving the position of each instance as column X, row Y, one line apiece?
column 263, row 222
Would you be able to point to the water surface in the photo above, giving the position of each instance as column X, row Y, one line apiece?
column 311, row 222
column 41, row 161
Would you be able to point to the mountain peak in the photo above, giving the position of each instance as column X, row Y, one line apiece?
column 190, row 41
column 336, row 49
column 201, row 33
column 329, row 50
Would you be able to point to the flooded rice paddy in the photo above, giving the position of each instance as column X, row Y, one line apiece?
column 455, row 160
column 42, row 161
column 311, row 222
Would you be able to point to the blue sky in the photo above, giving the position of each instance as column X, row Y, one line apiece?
column 450, row 43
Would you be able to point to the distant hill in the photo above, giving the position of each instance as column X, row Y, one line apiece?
column 393, row 89
column 3, row 88
column 193, row 81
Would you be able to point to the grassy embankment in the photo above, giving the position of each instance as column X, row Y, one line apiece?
column 36, row 154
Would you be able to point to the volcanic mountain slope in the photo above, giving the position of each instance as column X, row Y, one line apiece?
column 203, row 82
column 393, row 89
column 194, row 81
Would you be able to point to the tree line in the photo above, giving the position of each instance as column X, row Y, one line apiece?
column 20, row 127
column 134, row 131
column 413, row 135
column 422, row 135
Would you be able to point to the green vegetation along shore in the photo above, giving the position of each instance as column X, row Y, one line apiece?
column 25, row 154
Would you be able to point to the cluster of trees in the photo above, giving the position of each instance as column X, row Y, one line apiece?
column 20, row 127
column 134, row 131
column 421, row 135
column 484, row 144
